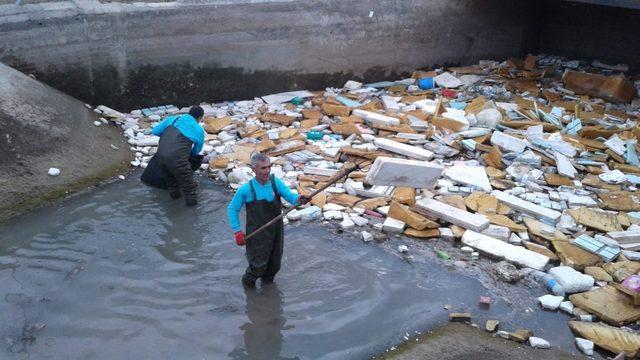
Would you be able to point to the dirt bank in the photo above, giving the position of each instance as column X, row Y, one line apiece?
column 42, row 128
column 460, row 341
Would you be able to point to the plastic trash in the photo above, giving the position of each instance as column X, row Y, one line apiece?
column 488, row 118
column 549, row 282
column 426, row 83
column 297, row 101
column 555, row 287
column 314, row 135
column 54, row 171
column 310, row 213
column 571, row 280
column 587, row 318
column 632, row 283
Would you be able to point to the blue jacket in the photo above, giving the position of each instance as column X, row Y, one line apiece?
column 263, row 192
column 188, row 126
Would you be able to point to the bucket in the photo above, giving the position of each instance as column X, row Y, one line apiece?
column 426, row 83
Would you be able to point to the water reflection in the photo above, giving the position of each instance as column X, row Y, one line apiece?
column 182, row 238
column 263, row 332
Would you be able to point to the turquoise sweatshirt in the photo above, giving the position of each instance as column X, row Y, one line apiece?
column 263, row 192
column 188, row 126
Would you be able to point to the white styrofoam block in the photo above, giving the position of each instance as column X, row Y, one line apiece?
column 508, row 142
column 376, row 118
column 527, row 207
column 332, row 207
column 465, row 219
column 571, row 280
column 466, row 249
column 565, row 168
column 332, row 215
column 500, row 249
column 384, row 210
column 586, row 346
column 392, row 225
column 294, row 215
column 447, row 80
column 403, row 149
column 567, row 306
column 352, row 85
column 403, row 172
column 515, row 239
column 390, row 103
column 145, row 141
column 469, row 175
column 615, row 144
column 311, row 170
column 623, row 237
column 502, row 233
column 550, row 302
column 359, row 220
column 351, row 186
column 53, row 171
column 347, row 223
column 538, row 343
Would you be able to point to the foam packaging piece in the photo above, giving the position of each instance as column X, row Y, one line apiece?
column 500, row 249
column 403, row 172
column 571, row 280
column 550, row 302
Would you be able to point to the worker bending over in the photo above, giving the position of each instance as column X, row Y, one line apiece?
column 181, row 137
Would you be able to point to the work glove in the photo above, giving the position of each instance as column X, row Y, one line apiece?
column 147, row 132
column 240, row 238
column 302, row 199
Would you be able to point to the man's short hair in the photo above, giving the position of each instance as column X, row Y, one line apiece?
column 196, row 111
column 257, row 157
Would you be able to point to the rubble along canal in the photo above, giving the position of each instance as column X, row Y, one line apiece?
column 124, row 272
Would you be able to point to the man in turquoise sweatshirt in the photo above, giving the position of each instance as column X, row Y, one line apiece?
column 180, row 137
column 261, row 195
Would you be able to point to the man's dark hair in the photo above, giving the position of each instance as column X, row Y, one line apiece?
column 196, row 111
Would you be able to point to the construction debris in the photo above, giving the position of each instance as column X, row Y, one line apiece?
column 534, row 161
column 609, row 337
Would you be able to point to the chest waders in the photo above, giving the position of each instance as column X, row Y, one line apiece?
column 173, row 158
column 264, row 251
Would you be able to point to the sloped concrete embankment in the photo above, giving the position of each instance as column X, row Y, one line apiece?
column 41, row 127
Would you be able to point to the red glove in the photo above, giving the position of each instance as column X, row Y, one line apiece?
column 240, row 238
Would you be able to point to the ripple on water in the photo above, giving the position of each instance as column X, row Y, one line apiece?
column 126, row 272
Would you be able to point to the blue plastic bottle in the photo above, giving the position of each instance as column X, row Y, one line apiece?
column 549, row 282
column 553, row 286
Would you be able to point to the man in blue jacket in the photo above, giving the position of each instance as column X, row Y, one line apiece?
column 180, row 137
column 261, row 196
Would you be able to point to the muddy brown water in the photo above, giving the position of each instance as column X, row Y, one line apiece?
column 124, row 272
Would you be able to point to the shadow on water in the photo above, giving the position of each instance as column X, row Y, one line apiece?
column 125, row 272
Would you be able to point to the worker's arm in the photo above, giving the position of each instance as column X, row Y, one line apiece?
column 158, row 130
column 199, row 140
column 285, row 192
column 236, row 204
